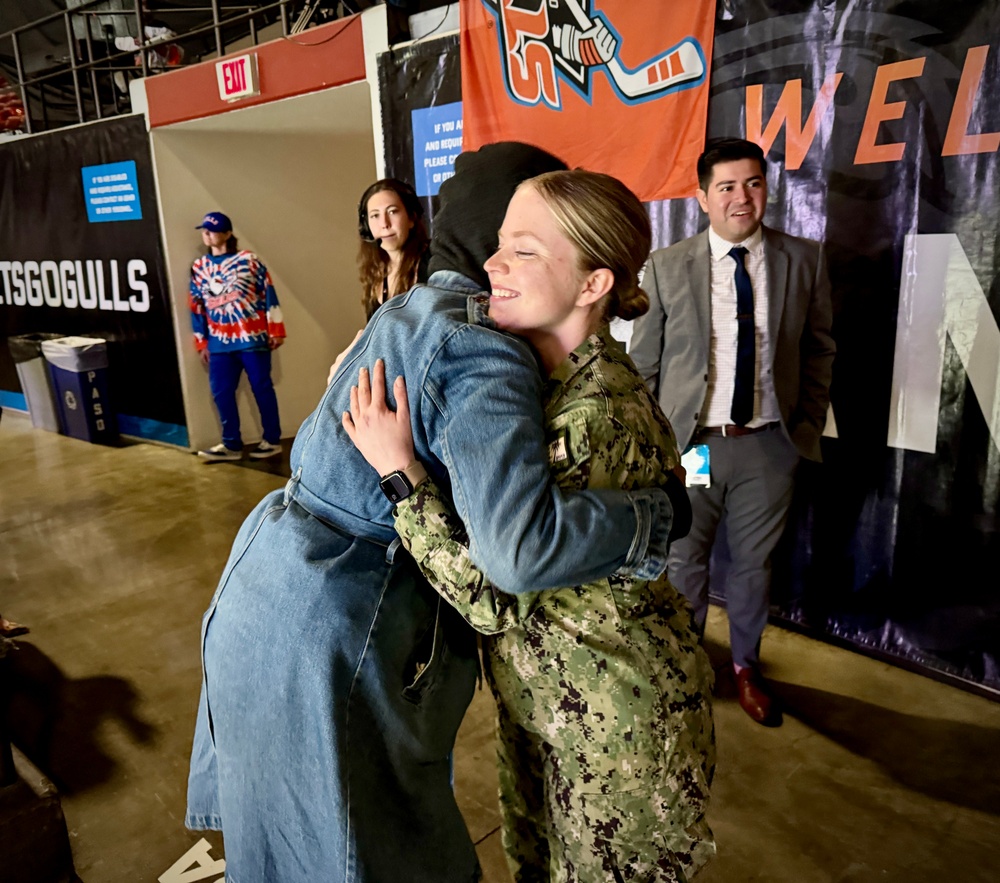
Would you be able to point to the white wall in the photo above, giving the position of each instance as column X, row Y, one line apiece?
column 289, row 175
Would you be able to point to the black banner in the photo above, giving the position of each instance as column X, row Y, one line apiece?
column 894, row 540
column 881, row 127
column 81, row 255
column 421, row 75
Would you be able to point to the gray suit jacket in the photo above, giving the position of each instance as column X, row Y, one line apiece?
column 670, row 344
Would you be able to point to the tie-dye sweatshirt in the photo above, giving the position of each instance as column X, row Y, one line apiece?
column 233, row 304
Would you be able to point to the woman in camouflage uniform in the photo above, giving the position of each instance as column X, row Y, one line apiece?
column 605, row 735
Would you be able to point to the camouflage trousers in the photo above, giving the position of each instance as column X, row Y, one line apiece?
column 553, row 832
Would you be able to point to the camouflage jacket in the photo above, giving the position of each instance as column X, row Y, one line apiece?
column 597, row 667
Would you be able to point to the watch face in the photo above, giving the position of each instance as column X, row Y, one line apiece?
column 396, row 486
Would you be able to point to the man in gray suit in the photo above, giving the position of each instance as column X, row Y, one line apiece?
column 737, row 346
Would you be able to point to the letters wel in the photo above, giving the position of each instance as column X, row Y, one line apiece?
column 799, row 136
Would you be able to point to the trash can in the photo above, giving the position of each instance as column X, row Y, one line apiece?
column 79, row 369
column 33, row 375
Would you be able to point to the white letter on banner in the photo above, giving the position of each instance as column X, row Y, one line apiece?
column 67, row 270
column 940, row 295
column 120, row 305
column 88, row 290
column 16, row 275
column 195, row 864
column 5, row 272
column 51, row 289
column 140, row 303
column 104, row 302
column 33, row 284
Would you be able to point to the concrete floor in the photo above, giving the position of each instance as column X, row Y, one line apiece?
column 111, row 555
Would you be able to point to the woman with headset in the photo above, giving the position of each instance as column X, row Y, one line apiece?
column 393, row 253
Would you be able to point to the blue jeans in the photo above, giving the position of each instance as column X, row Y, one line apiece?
column 335, row 680
column 224, row 370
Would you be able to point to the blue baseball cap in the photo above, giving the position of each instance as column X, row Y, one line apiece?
column 216, row 222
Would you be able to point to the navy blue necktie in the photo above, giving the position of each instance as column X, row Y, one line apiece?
column 742, row 411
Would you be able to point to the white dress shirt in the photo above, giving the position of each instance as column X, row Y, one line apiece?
column 722, row 350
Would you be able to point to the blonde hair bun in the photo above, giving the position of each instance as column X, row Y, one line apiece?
column 631, row 304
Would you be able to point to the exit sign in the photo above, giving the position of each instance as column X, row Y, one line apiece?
column 237, row 77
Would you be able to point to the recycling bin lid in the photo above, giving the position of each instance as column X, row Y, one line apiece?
column 76, row 353
column 73, row 341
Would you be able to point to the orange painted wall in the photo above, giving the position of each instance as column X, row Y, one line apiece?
column 329, row 55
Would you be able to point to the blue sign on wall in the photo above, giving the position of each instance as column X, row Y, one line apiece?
column 437, row 140
column 111, row 192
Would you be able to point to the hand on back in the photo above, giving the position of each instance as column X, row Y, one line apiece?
column 383, row 436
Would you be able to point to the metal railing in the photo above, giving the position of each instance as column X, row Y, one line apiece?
column 93, row 69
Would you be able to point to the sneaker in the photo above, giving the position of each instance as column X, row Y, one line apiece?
column 219, row 453
column 264, row 450
column 10, row 629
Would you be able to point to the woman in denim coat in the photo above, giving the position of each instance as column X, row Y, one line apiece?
column 335, row 677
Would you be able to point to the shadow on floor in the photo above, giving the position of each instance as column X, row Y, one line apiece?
column 927, row 755
column 724, row 686
column 54, row 720
column 278, row 465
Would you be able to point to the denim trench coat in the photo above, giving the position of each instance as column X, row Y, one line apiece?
column 335, row 678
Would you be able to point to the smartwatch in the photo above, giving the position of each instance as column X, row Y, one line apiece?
column 399, row 485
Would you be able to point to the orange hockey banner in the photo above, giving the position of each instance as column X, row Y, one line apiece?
column 616, row 86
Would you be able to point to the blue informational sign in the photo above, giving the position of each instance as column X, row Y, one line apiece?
column 111, row 192
column 437, row 140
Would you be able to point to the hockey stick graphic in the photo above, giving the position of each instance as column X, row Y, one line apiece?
column 666, row 72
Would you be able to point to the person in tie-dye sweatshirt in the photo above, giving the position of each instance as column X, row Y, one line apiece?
column 236, row 321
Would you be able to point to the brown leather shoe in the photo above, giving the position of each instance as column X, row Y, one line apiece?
column 755, row 699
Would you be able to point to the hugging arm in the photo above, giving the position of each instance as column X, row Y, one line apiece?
column 199, row 318
column 425, row 521
column 485, row 422
column 341, row 356
column 434, row 536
